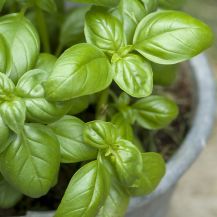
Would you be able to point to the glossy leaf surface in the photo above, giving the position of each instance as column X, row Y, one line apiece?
column 130, row 13
column 14, row 114
column 133, row 75
column 100, row 134
column 153, row 171
column 79, row 105
column 104, row 31
column 155, row 112
column 21, row 36
column 69, row 131
column 30, row 88
column 31, row 162
column 169, row 37
column 127, row 160
column 86, row 192
column 76, row 73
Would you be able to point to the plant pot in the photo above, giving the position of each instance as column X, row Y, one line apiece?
column 157, row 204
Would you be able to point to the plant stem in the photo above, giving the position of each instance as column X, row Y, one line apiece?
column 42, row 29
column 102, row 105
column 59, row 50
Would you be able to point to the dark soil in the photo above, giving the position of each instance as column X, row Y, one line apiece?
column 165, row 141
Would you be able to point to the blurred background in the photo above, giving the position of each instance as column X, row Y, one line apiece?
column 196, row 193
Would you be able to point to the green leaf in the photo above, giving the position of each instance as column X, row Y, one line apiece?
column 6, row 88
column 151, row 5
column 104, row 31
column 164, row 75
column 107, row 3
column 153, row 171
column 127, row 160
column 4, row 135
column 100, row 134
column 5, row 56
column 46, row 62
column 86, row 192
column 30, row 88
column 14, row 114
column 79, row 105
column 172, row 4
column 69, row 131
column 133, row 75
column 117, row 201
column 124, row 128
column 130, row 13
column 72, row 29
column 81, row 70
column 8, row 195
column 47, row 5
column 31, row 161
column 169, row 37
column 23, row 42
column 155, row 112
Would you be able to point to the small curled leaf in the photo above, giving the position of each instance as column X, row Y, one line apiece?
column 100, row 134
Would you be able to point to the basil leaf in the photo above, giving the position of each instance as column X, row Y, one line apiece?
column 30, row 88
column 47, row 5
column 150, row 5
column 79, row 105
column 172, row 4
column 76, row 73
column 76, row 19
column 153, row 171
column 100, row 134
column 107, row 3
column 21, row 36
column 168, row 37
column 124, row 128
column 127, row 160
column 86, row 192
column 104, row 31
column 6, row 88
column 155, row 112
column 133, row 75
column 130, row 13
column 69, row 131
column 5, row 56
column 14, row 114
column 8, row 195
column 46, row 62
column 117, row 200
column 31, row 161
column 4, row 135
column 164, row 75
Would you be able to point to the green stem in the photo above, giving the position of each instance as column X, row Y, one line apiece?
column 42, row 29
column 102, row 105
column 59, row 50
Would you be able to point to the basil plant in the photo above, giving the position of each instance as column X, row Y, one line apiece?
column 75, row 84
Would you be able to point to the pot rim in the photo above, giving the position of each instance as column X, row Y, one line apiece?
column 196, row 138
